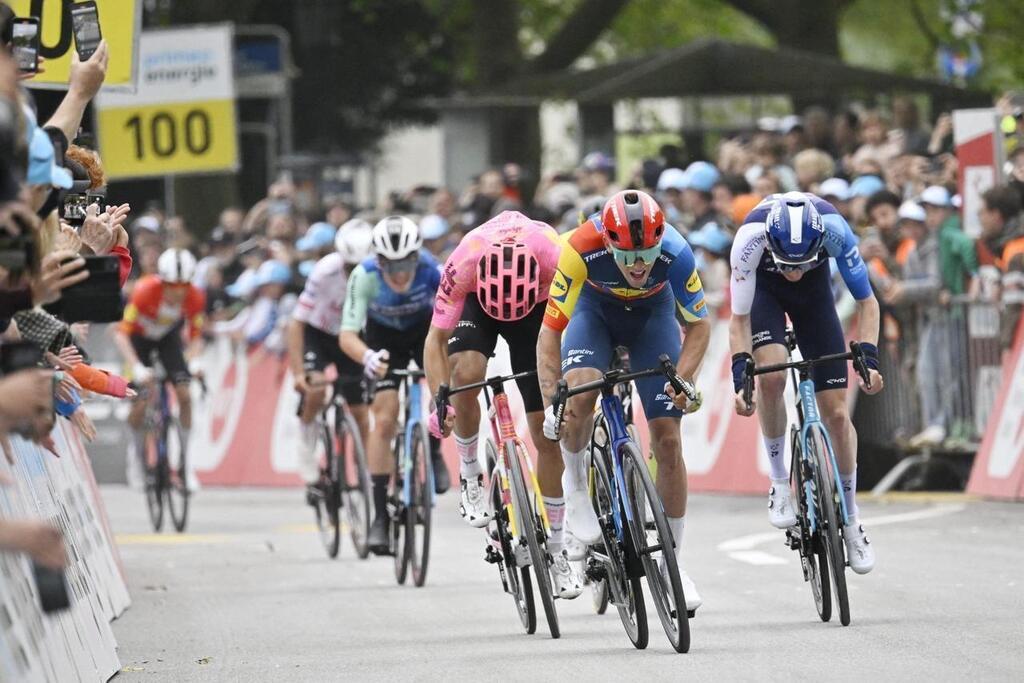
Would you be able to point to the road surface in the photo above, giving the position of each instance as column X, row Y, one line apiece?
column 249, row 595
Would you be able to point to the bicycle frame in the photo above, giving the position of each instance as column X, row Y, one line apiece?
column 413, row 412
column 810, row 418
column 613, row 414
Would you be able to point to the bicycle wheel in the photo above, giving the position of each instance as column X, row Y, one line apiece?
column 599, row 593
column 625, row 592
column 651, row 533
column 515, row 579
column 531, row 528
column 813, row 559
column 327, row 521
column 827, row 506
column 176, row 488
column 147, row 450
column 417, row 518
column 400, row 542
column 356, row 491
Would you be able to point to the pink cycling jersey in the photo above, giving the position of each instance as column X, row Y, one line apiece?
column 458, row 278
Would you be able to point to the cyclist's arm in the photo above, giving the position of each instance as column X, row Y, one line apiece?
column 689, row 294
column 855, row 275
column 296, row 344
column 868, row 317
column 549, row 362
column 353, row 316
column 124, row 344
column 435, row 358
column 747, row 250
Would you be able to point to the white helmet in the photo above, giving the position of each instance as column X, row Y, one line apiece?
column 176, row 266
column 396, row 237
column 354, row 241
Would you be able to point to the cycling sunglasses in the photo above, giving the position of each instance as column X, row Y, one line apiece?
column 628, row 257
column 403, row 265
column 795, row 267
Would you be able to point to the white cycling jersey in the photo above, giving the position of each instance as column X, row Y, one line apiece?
column 323, row 297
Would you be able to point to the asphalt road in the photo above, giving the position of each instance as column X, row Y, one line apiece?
column 249, row 595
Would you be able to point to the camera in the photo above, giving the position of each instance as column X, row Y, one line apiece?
column 97, row 299
column 22, row 355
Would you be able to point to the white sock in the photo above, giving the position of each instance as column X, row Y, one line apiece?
column 555, row 509
column 678, row 525
column 574, row 478
column 469, row 462
column 849, row 482
column 776, row 449
column 309, row 467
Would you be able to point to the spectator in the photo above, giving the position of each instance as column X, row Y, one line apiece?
column 671, row 184
column 769, row 152
column 816, row 128
column 1001, row 253
column 876, row 144
column 860, row 189
column 231, row 220
column 597, row 175
column 1016, row 173
column 700, row 178
column 836, row 192
column 793, row 136
column 724, row 193
column 812, row 167
column 907, row 120
column 958, row 258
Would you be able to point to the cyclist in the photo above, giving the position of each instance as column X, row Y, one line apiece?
column 392, row 295
column 780, row 268
column 621, row 276
column 161, row 308
column 493, row 284
column 313, row 345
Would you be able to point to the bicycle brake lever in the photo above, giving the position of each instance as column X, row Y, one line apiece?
column 748, row 382
column 860, row 366
column 558, row 405
column 679, row 385
column 441, row 402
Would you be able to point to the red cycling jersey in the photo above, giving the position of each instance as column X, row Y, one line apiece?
column 149, row 315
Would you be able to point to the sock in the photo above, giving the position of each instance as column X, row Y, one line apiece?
column 574, row 478
column 309, row 468
column 555, row 508
column 469, row 463
column 380, row 494
column 777, row 457
column 677, row 525
column 849, row 482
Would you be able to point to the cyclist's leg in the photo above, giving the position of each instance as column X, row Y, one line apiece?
column 314, row 359
column 768, row 327
column 385, row 415
column 414, row 341
column 469, row 347
column 172, row 357
column 352, row 386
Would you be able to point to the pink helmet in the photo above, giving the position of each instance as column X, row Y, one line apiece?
column 508, row 283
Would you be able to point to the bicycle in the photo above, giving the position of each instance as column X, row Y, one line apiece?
column 634, row 527
column 411, row 496
column 162, row 435
column 814, row 476
column 344, row 481
column 519, row 528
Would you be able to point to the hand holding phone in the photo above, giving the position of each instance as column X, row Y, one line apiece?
column 25, row 44
column 85, row 24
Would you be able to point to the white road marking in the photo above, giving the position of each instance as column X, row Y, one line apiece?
column 742, row 548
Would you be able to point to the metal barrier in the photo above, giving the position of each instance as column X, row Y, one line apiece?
column 943, row 370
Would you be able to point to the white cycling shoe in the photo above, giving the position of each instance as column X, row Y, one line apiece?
column 690, row 594
column 574, row 547
column 473, row 507
column 781, row 511
column 859, row 551
column 568, row 583
column 580, row 518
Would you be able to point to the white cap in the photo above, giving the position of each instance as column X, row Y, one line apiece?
column 936, row 195
column 788, row 123
column 957, row 201
column 911, row 211
column 672, row 179
column 835, row 187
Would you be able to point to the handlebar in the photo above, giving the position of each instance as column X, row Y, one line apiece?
column 855, row 354
column 614, row 377
column 444, row 392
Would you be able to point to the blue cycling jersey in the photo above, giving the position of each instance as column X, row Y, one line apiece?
column 370, row 296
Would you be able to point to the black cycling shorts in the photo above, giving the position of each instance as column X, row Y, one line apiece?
column 321, row 349
column 402, row 346
column 169, row 349
column 811, row 308
column 477, row 331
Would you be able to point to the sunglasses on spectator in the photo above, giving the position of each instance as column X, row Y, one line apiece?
column 404, row 265
column 628, row 257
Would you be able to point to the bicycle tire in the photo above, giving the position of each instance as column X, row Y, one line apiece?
column 625, row 592
column 668, row 597
column 812, row 553
column 828, row 504
column 176, row 489
column 356, row 491
column 153, row 482
column 599, row 593
column 531, row 526
column 400, row 548
column 516, row 579
column 419, row 515
column 328, row 523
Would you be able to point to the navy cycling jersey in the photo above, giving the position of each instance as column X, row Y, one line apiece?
column 751, row 256
column 370, row 296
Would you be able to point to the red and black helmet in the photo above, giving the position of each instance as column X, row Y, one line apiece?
column 632, row 220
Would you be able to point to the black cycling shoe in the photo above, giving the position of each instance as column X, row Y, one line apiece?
column 378, row 539
column 315, row 493
column 442, row 480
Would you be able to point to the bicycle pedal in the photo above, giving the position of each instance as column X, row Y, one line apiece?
column 596, row 571
column 492, row 556
column 691, row 613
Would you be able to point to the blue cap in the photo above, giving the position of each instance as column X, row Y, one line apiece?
column 711, row 238
column 243, row 286
column 433, row 227
column 701, row 176
column 318, row 236
column 273, row 273
column 306, row 268
column 672, row 179
column 42, row 166
column 865, row 186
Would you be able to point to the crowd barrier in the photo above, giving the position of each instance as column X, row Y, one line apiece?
column 76, row 644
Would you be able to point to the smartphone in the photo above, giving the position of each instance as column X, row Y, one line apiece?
column 85, row 24
column 20, row 355
column 76, row 205
column 53, row 589
column 25, row 43
column 97, row 298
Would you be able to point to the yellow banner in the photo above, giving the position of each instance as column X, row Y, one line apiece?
column 163, row 139
column 119, row 22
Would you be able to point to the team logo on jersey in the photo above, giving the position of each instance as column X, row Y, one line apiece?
column 699, row 306
column 560, row 284
column 693, row 285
